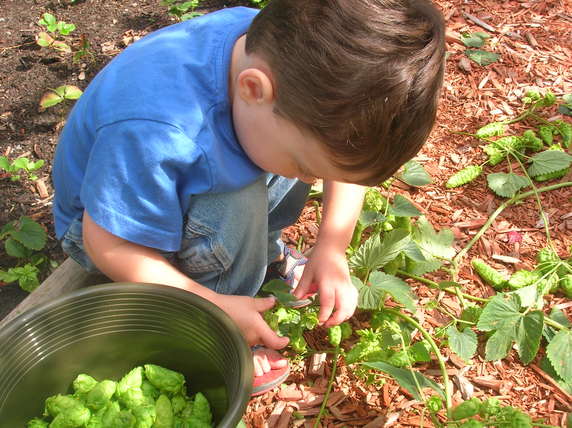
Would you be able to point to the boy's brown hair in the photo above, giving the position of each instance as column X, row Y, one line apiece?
column 363, row 76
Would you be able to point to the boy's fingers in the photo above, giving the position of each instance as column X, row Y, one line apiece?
column 327, row 303
column 270, row 339
column 264, row 303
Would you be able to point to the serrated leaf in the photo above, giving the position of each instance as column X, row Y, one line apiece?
column 549, row 161
column 558, row 352
column 483, row 58
column 415, row 175
column 502, row 311
column 463, row 343
column 419, row 352
column 528, row 335
column 381, row 283
column 498, row 345
column 375, row 253
column 506, row 185
column 408, row 379
column 438, row 244
column 529, row 296
column 30, row 234
column 402, row 207
column 420, row 268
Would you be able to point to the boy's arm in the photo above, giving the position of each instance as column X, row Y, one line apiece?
column 327, row 269
column 122, row 260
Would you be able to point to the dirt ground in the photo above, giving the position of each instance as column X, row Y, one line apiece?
column 533, row 40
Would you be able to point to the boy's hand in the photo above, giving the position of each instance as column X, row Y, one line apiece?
column 246, row 313
column 327, row 273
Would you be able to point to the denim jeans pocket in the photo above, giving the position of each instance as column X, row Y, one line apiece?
column 201, row 251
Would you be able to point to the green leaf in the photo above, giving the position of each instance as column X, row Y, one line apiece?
column 415, row 175
column 474, row 40
column 501, row 311
column 463, row 343
column 529, row 296
column 528, row 335
column 506, row 185
column 280, row 290
column 498, row 345
column 558, row 352
column 413, row 252
column 438, row 244
column 381, row 283
column 483, row 58
column 402, row 207
column 70, row 92
column 419, row 352
column 50, row 99
column 408, row 379
column 30, row 234
column 549, row 161
column 374, row 253
column 15, row 249
column 368, row 218
column 44, row 39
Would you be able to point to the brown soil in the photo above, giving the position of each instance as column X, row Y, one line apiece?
column 533, row 39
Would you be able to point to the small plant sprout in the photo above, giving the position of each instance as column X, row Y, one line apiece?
column 55, row 29
column 61, row 93
column 50, row 23
column 23, row 164
column 23, row 239
column 182, row 10
column 477, row 40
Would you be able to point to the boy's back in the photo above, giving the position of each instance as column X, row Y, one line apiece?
column 155, row 125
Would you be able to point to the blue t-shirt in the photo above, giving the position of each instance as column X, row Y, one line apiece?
column 153, row 128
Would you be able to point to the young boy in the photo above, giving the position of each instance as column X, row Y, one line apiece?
column 190, row 152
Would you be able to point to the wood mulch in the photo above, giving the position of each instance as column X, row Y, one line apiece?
column 533, row 40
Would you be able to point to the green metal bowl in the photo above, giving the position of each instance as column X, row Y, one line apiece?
column 108, row 329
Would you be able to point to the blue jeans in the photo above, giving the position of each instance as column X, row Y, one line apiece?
column 228, row 238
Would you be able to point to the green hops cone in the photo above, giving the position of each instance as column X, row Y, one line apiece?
column 522, row 278
column 464, row 176
column 466, row 409
column 565, row 285
column 335, row 335
column 510, row 144
column 491, row 130
column 549, row 99
column 531, row 141
column 495, row 154
column 546, row 133
column 489, row 274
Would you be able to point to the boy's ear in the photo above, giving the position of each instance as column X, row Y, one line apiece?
column 255, row 86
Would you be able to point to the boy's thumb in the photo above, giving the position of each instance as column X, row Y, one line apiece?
column 264, row 303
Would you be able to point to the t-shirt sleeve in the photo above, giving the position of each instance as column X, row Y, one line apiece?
column 138, row 181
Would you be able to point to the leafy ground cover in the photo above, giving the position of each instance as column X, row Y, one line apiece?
column 423, row 233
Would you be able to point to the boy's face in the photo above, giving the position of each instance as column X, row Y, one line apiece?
column 272, row 142
column 277, row 146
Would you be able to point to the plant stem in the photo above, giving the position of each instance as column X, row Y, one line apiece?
column 433, row 284
column 500, row 209
column 435, row 348
column 328, row 390
column 555, row 324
